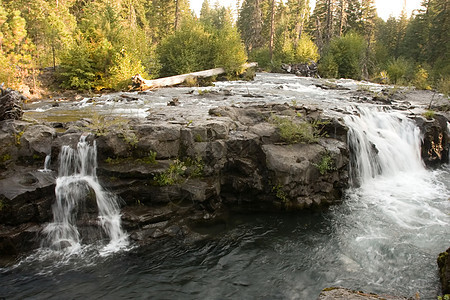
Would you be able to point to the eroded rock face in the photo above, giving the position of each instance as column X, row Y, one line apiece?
column 235, row 158
column 435, row 149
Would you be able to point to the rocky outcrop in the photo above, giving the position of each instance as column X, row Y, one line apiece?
column 338, row 293
column 435, row 142
column 443, row 262
column 235, row 158
column 173, row 174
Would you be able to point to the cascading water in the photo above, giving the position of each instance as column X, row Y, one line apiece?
column 397, row 212
column 76, row 183
column 382, row 144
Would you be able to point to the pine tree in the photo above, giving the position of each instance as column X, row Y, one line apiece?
column 250, row 24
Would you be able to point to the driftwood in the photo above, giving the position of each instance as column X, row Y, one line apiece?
column 140, row 83
column 10, row 104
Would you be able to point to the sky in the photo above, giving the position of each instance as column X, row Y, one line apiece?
column 385, row 8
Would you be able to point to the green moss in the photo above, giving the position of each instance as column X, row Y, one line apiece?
column 5, row 158
column 198, row 138
column 18, row 136
column 280, row 193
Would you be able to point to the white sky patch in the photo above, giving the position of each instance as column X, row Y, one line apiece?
column 385, row 8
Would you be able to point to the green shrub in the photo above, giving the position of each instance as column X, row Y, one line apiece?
column 399, row 71
column 228, row 50
column 123, row 67
column 187, row 50
column 343, row 57
column 429, row 114
column 174, row 174
column 293, row 132
column 262, row 57
column 306, row 50
column 326, row 164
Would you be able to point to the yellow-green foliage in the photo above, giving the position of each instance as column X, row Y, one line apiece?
column 195, row 167
column 123, row 67
column 429, row 114
column 228, row 50
column 174, row 174
column 18, row 136
column 280, row 193
column 421, row 79
column 293, row 131
column 326, row 164
column 306, row 50
column 178, row 171
column 5, row 158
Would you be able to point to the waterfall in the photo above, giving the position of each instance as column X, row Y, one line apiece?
column 76, row 185
column 47, row 160
column 382, row 144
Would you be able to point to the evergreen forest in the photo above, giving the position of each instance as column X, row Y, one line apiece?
column 101, row 44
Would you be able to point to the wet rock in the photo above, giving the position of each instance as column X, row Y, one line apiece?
column 338, row 293
column 443, row 262
column 36, row 141
column 19, row 239
column 435, row 142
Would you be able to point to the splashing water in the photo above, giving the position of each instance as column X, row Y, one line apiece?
column 76, row 184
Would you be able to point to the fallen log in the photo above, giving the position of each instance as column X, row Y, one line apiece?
column 140, row 83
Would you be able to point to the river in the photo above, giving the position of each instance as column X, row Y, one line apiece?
column 384, row 236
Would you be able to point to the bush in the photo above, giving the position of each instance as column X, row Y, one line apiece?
column 293, row 132
column 187, row 50
column 343, row 57
column 78, row 67
column 306, row 50
column 421, row 79
column 399, row 71
column 228, row 50
column 123, row 67
column 262, row 57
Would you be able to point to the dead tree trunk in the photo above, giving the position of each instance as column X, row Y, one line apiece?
column 140, row 83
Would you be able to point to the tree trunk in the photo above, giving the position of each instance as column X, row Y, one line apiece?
column 272, row 28
column 140, row 83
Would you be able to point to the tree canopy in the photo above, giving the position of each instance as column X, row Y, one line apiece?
column 100, row 43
